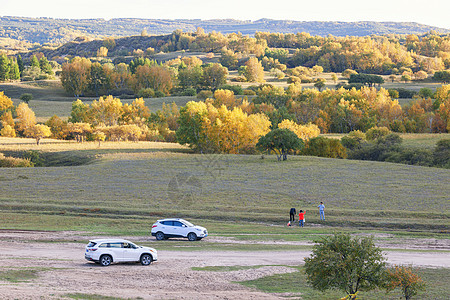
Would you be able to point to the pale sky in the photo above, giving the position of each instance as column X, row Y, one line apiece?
column 429, row 12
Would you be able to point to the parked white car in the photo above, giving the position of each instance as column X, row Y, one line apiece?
column 169, row 228
column 107, row 251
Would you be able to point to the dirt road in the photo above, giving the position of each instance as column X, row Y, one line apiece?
column 64, row 270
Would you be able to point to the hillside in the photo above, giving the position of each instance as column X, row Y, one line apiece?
column 48, row 30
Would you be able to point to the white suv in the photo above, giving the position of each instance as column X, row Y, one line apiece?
column 167, row 228
column 107, row 251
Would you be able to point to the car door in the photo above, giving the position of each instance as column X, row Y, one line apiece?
column 116, row 250
column 130, row 252
column 179, row 228
column 168, row 228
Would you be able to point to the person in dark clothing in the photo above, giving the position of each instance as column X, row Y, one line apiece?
column 292, row 214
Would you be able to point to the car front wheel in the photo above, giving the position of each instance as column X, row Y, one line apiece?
column 105, row 260
column 192, row 236
column 159, row 236
column 146, row 259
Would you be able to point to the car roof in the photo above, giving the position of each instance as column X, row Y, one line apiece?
column 109, row 241
column 171, row 219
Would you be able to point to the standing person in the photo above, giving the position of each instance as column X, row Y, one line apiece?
column 292, row 213
column 322, row 211
column 301, row 218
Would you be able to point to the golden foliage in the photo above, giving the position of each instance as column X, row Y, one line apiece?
column 305, row 132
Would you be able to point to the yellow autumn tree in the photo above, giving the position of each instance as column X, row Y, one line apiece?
column 254, row 71
column 305, row 132
column 79, row 130
column 135, row 113
column 25, row 117
column 107, row 110
column 207, row 128
column 38, row 131
column 7, row 131
column 5, row 102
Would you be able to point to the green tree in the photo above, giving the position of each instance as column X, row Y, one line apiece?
column 281, row 141
column 441, row 154
column 14, row 72
column 20, row 64
column 346, row 263
column 26, row 97
column 320, row 84
column 5, row 67
column 34, row 62
column 79, row 113
column 45, row 66
column 442, row 76
column 214, row 75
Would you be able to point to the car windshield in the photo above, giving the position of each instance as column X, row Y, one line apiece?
column 188, row 224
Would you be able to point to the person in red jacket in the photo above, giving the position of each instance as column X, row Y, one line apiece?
column 301, row 218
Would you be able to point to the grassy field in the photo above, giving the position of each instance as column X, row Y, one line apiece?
column 226, row 192
column 295, row 284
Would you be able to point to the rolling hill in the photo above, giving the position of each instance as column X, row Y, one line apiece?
column 49, row 30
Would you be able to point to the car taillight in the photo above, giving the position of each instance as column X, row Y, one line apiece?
column 93, row 249
column 154, row 226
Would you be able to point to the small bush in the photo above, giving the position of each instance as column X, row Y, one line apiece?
column 205, row 94
column 11, row 162
column 239, row 79
column 236, row 89
column 325, row 147
column 159, row 94
column 249, row 93
column 376, row 133
column 189, row 92
column 146, row 93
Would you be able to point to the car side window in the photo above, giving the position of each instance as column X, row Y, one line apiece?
column 116, row 245
column 168, row 223
column 178, row 224
column 104, row 245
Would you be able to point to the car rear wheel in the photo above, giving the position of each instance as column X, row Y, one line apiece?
column 192, row 236
column 159, row 236
column 105, row 260
column 146, row 259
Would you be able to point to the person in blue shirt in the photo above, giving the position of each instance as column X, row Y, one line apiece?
column 322, row 211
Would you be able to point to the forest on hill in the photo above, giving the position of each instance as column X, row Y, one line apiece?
column 57, row 31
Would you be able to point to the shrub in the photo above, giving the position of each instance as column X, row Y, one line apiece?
column 239, row 79
column 404, row 93
column 376, row 133
column 294, row 79
column 325, row 147
column 353, row 140
column 189, row 92
column 236, row 89
column 11, row 162
column 406, row 280
column 441, row 154
column 146, row 93
column 159, row 94
column 204, row 94
column 249, row 92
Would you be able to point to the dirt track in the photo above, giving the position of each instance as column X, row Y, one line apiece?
column 169, row 278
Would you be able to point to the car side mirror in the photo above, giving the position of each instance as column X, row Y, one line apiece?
column 184, row 225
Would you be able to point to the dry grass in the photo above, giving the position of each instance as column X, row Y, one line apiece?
column 23, row 144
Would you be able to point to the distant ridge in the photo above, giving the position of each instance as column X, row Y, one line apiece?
column 48, row 30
